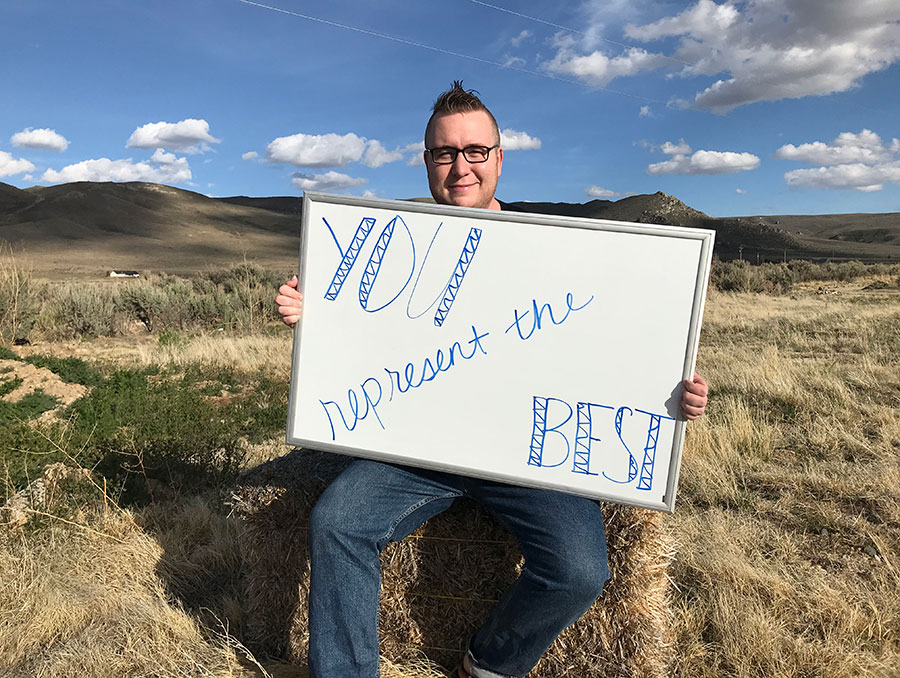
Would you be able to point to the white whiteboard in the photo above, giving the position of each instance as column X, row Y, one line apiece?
column 408, row 348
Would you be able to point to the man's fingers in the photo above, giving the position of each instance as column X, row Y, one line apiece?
column 691, row 413
column 285, row 300
column 698, row 385
column 693, row 399
column 288, row 291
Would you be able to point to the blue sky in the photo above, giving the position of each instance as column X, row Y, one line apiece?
column 759, row 107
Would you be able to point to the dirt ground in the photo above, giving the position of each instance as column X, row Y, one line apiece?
column 38, row 379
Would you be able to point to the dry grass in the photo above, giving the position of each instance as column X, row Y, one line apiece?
column 18, row 295
column 788, row 520
column 124, row 594
column 79, row 602
column 789, row 512
column 248, row 353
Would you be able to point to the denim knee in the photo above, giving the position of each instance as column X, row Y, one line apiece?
column 584, row 580
column 331, row 521
column 581, row 578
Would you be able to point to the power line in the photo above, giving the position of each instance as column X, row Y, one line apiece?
column 440, row 50
column 571, row 30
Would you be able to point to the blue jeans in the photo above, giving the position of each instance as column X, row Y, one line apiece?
column 371, row 503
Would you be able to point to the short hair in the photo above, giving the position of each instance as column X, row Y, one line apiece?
column 460, row 100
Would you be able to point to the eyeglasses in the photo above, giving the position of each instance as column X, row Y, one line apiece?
column 446, row 155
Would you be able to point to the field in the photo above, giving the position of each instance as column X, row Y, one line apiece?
column 787, row 520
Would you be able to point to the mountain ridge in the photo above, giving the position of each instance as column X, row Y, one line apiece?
column 89, row 225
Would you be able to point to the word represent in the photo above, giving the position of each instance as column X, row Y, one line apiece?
column 349, row 256
column 409, row 378
column 587, row 422
column 533, row 320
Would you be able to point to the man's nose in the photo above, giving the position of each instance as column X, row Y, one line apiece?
column 460, row 165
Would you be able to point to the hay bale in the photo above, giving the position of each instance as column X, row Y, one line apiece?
column 439, row 584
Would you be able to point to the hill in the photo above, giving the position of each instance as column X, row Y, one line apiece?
column 867, row 237
column 87, row 228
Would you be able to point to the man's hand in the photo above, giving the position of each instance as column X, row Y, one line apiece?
column 693, row 400
column 289, row 301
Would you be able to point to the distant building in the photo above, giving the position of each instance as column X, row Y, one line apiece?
column 124, row 274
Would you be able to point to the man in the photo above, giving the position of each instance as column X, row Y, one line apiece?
column 372, row 503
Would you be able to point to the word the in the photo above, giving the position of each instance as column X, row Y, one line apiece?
column 371, row 390
column 546, row 409
column 532, row 320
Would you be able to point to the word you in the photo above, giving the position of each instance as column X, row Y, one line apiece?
column 396, row 231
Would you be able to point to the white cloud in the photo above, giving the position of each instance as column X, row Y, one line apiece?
column 598, row 192
column 417, row 157
column 314, row 150
column 369, row 194
column 672, row 149
column 777, row 50
column 377, row 155
column 521, row 37
column 645, row 112
column 10, row 165
column 857, row 176
column 514, row 62
column 852, row 161
column 330, row 181
column 47, row 139
column 512, row 140
column 597, row 68
column 706, row 19
column 865, row 147
column 706, row 162
column 250, row 155
column 740, row 191
column 187, row 136
column 163, row 168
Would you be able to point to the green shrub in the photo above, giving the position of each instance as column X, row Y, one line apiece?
column 73, row 311
column 9, row 385
column 779, row 278
column 250, row 290
column 71, row 370
column 170, row 338
column 240, row 298
column 29, row 407
column 7, row 354
column 740, row 276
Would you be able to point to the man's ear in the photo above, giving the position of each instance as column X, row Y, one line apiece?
column 499, row 161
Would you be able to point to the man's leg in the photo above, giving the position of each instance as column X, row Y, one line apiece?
column 562, row 539
column 367, row 506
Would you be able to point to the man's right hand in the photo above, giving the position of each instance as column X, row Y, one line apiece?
column 289, row 302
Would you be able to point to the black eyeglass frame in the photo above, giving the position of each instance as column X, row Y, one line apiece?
column 456, row 151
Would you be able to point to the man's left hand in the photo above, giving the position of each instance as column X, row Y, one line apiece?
column 693, row 400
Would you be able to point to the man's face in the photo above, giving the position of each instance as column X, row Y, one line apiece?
column 463, row 183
